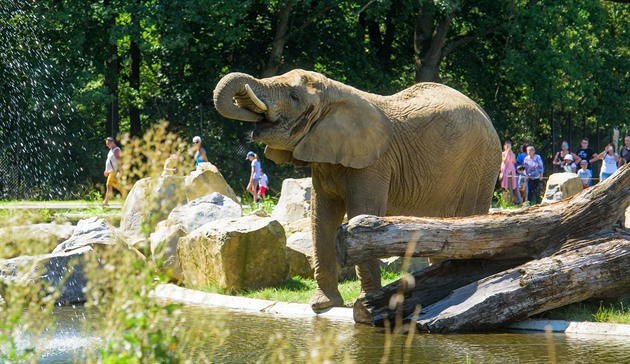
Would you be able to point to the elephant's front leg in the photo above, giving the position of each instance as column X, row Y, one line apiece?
column 327, row 215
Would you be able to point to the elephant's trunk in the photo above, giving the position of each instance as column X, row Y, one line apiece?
column 231, row 98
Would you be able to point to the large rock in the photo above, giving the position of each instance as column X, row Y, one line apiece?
column 561, row 186
column 203, row 210
column 293, row 208
column 205, row 180
column 92, row 231
column 235, row 254
column 164, row 247
column 300, row 256
column 62, row 273
column 627, row 218
column 151, row 200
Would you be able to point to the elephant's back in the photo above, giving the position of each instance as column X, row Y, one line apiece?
column 446, row 152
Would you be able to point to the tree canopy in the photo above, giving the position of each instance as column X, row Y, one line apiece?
column 73, row 72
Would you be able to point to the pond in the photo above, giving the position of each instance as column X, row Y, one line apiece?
column 249, row 337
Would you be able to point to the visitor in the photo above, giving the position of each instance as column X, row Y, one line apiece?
column 568, row 165
column 508, row 172
column 534, row 169
column 586, row 153
column 200, row 152
column 521, row 156
column 522, row 184
column 558, row 159
column 170, row 165
column 610, row 160
column 112, row 168
column 254, row 176
column 262, row 189
column 585, row 174
column 625, row 151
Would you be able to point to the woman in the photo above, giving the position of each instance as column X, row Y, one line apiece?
column 200, row 153
column 254, row 175
column 508, row 171
column 558, row 159
column 534, row 169
column 610, row 160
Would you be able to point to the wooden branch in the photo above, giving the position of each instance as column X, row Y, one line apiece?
column 534, row 287
column 527, row 233
column 428, row 286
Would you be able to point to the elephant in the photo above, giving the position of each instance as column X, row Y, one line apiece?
column 426, row 151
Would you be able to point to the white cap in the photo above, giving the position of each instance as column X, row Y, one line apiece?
column 569, row 157
column 197, row 139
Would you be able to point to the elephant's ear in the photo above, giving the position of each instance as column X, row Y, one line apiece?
column 353, row 133
column 282, row 156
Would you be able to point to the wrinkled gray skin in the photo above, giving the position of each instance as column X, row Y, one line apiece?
column 425, row 151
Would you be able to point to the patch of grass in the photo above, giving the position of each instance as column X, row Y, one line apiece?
column 300, row 290
column 617, row 312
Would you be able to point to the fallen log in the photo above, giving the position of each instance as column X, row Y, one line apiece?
column 598, row 270
column 525, row 233
column 424, row 288
column 574, row 253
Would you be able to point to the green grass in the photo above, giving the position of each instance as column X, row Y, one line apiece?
column 607, row 311
column 300, row 290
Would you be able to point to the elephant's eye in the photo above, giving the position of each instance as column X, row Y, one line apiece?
column 294, row 96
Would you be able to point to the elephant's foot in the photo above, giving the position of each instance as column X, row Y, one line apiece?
column 321, row 301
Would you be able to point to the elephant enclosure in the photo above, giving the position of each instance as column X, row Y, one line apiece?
column 501, row 267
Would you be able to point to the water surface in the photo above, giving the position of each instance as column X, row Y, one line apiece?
column 249, row 337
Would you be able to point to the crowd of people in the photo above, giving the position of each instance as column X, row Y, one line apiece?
column 521, row 175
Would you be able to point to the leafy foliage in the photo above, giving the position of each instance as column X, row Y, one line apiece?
column 543, row 70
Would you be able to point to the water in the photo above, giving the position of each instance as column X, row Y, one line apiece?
column 38, row 155
column 249, row 334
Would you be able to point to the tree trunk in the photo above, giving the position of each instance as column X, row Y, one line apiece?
column 428, row 42
column 112, row 70
column 277, row 48
column 134, row 83
column 600, row 267
column 577, row 255
column 526, row 233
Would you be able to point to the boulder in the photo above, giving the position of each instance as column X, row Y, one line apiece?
column 627, row 218
column 62, row 272
column 300, row 256
column 205, row 180
column 294, row 204
column 164, row 247
column 151, row 200
column 203, row 210
column 92, row 231
column 561, row 186
column 235, row 254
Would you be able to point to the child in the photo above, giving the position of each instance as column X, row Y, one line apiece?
column 568, row 165
column 522, row 183
column 585, row 174
column 262, row 186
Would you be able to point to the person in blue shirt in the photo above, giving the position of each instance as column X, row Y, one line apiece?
column 200, row 153
column 534, row 169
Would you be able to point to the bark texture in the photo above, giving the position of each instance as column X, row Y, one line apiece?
column 509, row 265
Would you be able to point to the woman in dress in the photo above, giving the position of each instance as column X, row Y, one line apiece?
column 508, row 171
